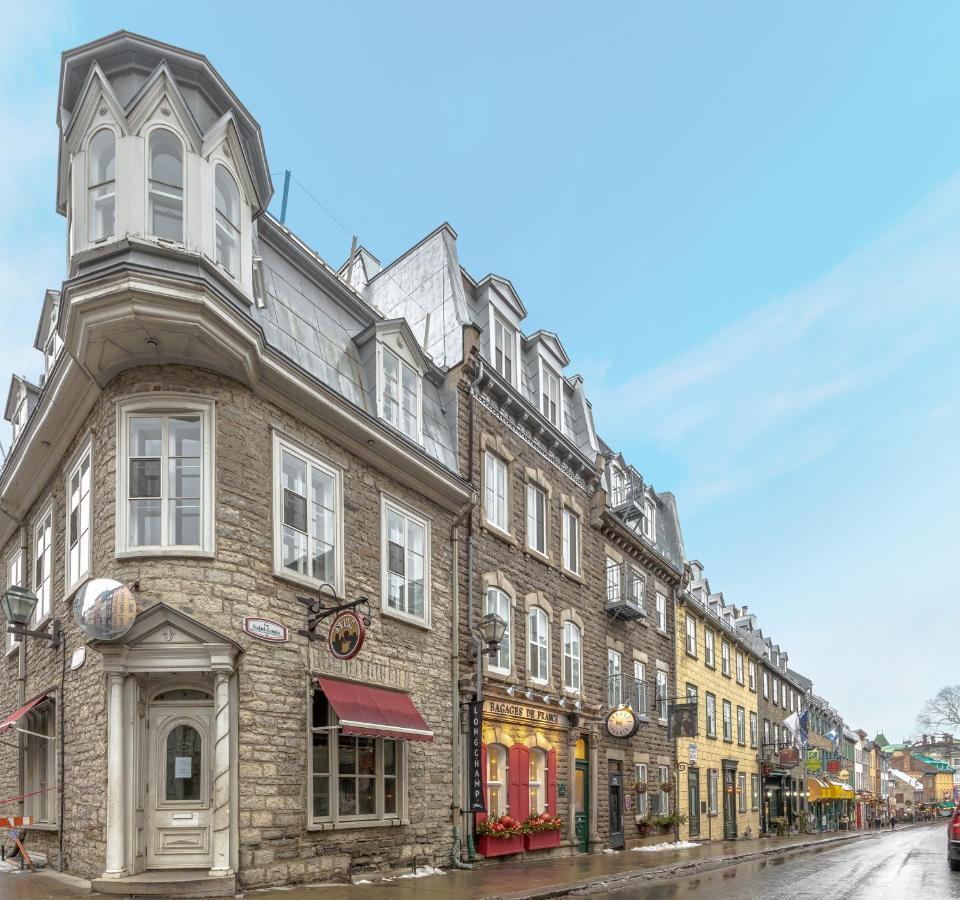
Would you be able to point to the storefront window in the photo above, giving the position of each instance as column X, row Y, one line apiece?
column 497, row 775
column 351, row 777
column 536, row 780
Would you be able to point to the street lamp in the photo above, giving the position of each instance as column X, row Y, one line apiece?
column 18, row 604
column 492, row 630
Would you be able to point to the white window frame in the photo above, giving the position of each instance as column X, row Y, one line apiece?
column 662, row 691
column 426, row 523
column 496, row 507
column 618, row 486
column 575, row 657
column 42, row 586
column 726, row 710
column 725, row 657
column 284, row 444
column 742, row 792
column 753, row 729
column 167, row 404
column 614, row 678
column 752, row 675
column 335, row 819
column 741, row 726
column 661, row 612
column 649, row 525
column 690, row 643
column 160, row 186
column 550, row 384
column 739, row 669
column 503, row 758
column 713, row 784
column 776, row 691
column 76, row 573
column 754, row 791
column 711, row 715
column 223, row 225
column 92, row 187
column 15, row 578
column 537, row 780
column 534, row 493
column 640, row 776
column 766, row 685
column 382, row 350
column 538, row 645
column 504, row 342
column 39, row 754
column 640, row 688
column 709, row 648
column 506, row 645
column 614, row 589
column 569, row 517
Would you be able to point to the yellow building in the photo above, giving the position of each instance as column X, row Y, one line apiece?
column 719, row 784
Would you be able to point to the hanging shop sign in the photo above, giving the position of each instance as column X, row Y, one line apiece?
column 813, row 760
column 475, row 750
column 346, row 636
column 265, row 629
column 683, row 720
column 833, row 766
column 844, row 774
column 532, row 714
column 789, row 757
column 622, row 722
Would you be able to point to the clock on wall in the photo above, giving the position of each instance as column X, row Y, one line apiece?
column 622, row 722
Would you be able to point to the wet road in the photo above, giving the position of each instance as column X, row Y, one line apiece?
column 905, row 864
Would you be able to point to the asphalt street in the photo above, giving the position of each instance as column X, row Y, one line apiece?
column 894, row 866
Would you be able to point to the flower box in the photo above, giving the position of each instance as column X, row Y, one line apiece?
column 491, row 846
column 540, row 840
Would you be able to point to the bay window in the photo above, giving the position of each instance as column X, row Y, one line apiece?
column 78, row 520
column 495, row 491
column 166, row 475
column 538, row 645
column 307, row 517
column 228, row 220
column 352, row 778
column 536, row 518
column 572, row 656
column 43, row 564
column 406, row 564
column 498, row 602
column 166, row 185
column 101, row 185
column 400, row 394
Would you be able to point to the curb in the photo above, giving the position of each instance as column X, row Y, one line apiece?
column 622, row 879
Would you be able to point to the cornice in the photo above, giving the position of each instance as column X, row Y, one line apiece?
column 614, row 530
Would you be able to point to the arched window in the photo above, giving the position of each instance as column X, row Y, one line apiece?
column 101, row 185
column 166, row 185
column 538, row 645
column 498, row 602
column 497, row 781
column 537, row 781
column 572, row 676
column 228, row 220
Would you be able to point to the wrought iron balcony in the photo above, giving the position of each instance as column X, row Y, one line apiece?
column 625, row 690
column 625, row 588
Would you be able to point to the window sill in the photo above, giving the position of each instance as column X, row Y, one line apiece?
column 573, row 576
column 499, row 675
column 347, row 826
column 166, row 553
column 533, row 553
column 303, row 581
column 41, row 826
column 422, row 624
column 74, row 588
column 11, row 650
column 499, row 533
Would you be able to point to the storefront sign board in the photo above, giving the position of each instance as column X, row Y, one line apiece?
column 512, row 710
column 265, row 629
column 474, row 739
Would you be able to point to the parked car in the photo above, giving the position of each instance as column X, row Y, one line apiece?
column 953, row 841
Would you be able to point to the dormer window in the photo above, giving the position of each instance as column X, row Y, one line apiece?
column 649, row 520
column 19, row 419
column 550, row 396
column 503, row 341
column 618, row 486
column 51, row 349
column 102, row 185
column 166, row 185
column 400, row 399
column 228, row 221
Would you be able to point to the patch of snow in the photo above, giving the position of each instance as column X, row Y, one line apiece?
column 422, row 872
column 675, row 845
column 608, row 850
column 363, row 881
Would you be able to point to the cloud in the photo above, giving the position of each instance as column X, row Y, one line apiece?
column 781, row 387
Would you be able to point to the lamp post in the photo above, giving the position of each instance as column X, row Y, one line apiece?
column 18, row 604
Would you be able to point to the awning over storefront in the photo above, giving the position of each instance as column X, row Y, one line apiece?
column 375, row 712
column 839, row 790
column 18, row 714
column 817, row 789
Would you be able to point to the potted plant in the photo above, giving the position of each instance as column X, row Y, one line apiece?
column 643, row 825
column 542, row 831
column 663, row 823
column 640, row 787
column 781, row 824
column 499, row 837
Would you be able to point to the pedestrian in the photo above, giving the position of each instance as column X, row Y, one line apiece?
column 893, row 822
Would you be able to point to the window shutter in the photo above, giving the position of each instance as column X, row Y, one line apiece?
column 519, row 782
column 552, row 782
column 482, row 816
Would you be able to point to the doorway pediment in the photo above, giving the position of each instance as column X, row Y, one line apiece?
column 163, row 639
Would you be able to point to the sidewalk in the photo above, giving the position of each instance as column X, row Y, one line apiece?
column 533, row 880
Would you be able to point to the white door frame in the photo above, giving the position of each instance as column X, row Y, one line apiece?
column 162, row 644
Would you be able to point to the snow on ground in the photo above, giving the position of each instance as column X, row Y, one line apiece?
column 422, row 872
column 675, row 845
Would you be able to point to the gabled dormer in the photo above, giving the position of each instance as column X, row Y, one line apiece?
column 47, row 339
column 21, row 399
column 156, row 149
column 546, row 360
column 500, row 312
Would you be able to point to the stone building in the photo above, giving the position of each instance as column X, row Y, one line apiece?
column 582, row 570
column 717, row 668
column 224, row 426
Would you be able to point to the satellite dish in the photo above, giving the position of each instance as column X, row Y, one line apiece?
column 104, row 609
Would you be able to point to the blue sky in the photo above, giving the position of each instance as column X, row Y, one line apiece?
column 743, row 220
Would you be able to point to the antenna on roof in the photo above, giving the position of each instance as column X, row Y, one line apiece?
column 286, row 194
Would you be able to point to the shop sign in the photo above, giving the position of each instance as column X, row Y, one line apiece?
column 265, row 629
column 813, row 760
column 833, row 767
column 844, row 774
column 346, row 636
column 475, row 748
column 683, row 720
column 561, row 789
column 522, row 711
column 692, row 750
column 789, row 757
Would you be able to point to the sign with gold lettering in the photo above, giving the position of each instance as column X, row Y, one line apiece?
column 532, row 714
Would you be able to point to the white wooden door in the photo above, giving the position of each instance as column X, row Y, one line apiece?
column 180, row 786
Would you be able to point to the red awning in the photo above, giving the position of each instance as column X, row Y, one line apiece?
column 373, row 711
column 15, row 716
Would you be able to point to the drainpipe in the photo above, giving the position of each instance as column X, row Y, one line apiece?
column 455, row 752
column 674, row 693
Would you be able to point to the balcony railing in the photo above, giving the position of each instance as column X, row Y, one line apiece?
column 625, row 690
column 626, row 488
column 625, row 587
